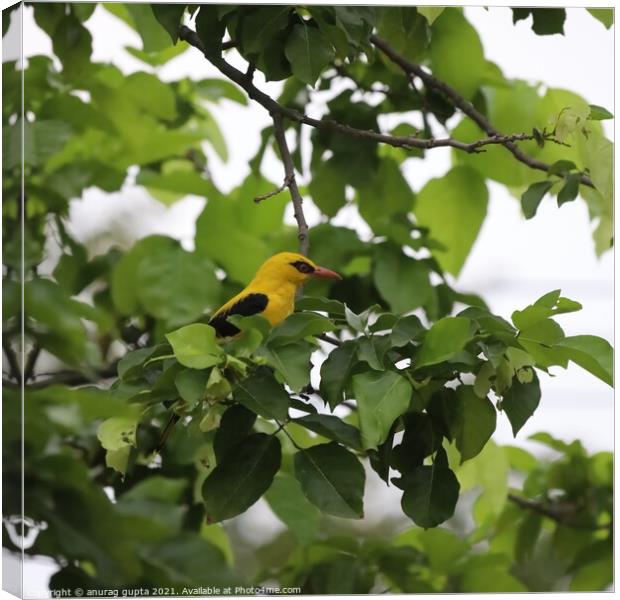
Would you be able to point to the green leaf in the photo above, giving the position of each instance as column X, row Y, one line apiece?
column 309, row 52
column 430, row 13
column 332, row 479
column 242, row 477
column 327, row 187
column 210, row 28
column 381, row 398
column 402, row 281
column 262, row 394
column 298, row 326
column 570, row 189
column 215, row 90
column 477, row 422
column 291, row 361
column 546, row 21
column 598, row 113
column 291, row 506
column 262, row 24
column 192, row 386
column 592, row 353
column 604, row 15
column 405, row 330
column 532, row 197
column 118, row 435
column 520, row 401
column 561, row 167
column 235, row 426
column 333, row 428
column 335, row 372
column 384, row 197
column 170, row 16
column 453, row 207
column 195, row 346
column 456, row 52
column 430, row 494
column 443, row 340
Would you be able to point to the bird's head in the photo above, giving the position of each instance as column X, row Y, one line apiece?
column 294, row 268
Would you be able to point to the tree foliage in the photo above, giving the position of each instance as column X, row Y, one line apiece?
column 409, row 374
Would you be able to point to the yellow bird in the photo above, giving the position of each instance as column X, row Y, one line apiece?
column 271, row 293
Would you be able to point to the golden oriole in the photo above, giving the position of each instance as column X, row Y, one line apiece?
column 271, row 294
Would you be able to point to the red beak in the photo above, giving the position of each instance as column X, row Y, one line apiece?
column 324, row 273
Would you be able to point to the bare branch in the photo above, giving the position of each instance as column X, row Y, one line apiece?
column 31, row 361
column 563, row 513
column 406, row 142
column 275, row 192
column 329, row 339
column 72, row 378
column 289, row 181
column 465, row 106
column 12, row 360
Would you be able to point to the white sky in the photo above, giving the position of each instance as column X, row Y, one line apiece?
column 513, row 262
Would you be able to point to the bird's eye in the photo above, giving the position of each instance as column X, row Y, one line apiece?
column 303, row 267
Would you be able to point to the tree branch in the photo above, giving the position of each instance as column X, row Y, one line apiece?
column 465, row 106
column 407, row 142
column 72, row 378
column 289, row 181
column 31, row 361
column 560, row 513
column 12, row 360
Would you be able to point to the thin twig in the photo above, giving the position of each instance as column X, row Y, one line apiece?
column 465, row 106
column 12, row 360
column 328, row 338
column 275, row 192
column 407, row 142
column 31, row 361
column 289, row 180
column 71, row 378
column 561, row 513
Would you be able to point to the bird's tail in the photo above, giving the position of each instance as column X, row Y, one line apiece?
column 174, row 419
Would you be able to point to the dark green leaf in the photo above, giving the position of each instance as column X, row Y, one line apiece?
column 532, row 196
column 335, row 372
column 333, row 428
column 570, row 190
column 332, row 479
column 520, row 401
column 261, row 25
column 477, row 422
column 309, row 52
column 236, row 425
column 262, row 394
column 170, row 16
column 210, row 28
column 546, row 21
column 242, row 477
column 561, row 167
column 430, row 494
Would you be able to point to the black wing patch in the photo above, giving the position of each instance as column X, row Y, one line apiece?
column 249, row 305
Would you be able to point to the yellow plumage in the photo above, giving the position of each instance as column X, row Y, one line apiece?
column 272, row 291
